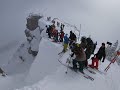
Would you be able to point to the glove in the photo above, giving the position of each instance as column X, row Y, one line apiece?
column 72, row 55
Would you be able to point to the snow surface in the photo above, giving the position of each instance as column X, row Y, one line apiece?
column 73, row 81
column 44, row 72
column 59, row 80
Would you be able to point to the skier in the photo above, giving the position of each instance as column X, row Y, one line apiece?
column 72, row 38
column 80, row 56
column 101, row 52
column 94, row 62
column 94, row 47
column 48, row 31
column 56, row 36
column 62, row 27
column 61, row 36
column 89, row 49
column 58, row 24
column 66, row 41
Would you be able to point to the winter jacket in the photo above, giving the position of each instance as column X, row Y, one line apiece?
column 72, row 37
column 79, row 53
column 66, row 39
column 89, row 50
column 61, row 34
column 81, row 56
column 101, row 53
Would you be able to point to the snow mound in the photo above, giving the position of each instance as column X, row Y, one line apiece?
column 45, row 62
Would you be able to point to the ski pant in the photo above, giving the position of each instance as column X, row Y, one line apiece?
column 65, row 47
column 94, row 63
column 49, row 35
column 85, row 63
column 56, row 38
column 80, row 63
column 61, row 39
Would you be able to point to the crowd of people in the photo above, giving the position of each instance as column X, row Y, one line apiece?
column 54, row 33
column 83, row 52
column 80, row 51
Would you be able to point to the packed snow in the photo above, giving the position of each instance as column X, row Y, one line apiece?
column 45, row 72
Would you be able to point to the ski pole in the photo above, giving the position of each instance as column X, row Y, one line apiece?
column 68, row 61
column 112, row 61
column 67, row 69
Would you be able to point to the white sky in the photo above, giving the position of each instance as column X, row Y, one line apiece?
column 99, row 18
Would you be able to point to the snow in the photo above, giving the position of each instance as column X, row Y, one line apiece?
column 46, row 61
column 44, row 72
column 73, row 81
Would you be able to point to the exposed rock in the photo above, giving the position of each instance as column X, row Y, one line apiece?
column 32, row 21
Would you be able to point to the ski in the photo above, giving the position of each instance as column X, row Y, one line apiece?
column 60, row 54
column 82, row 74
column 99, row 71
column 90, row 71
column 96, row 70
column 87, row 76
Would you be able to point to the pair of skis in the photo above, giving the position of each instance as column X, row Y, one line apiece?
column 95, row 70
column 90, row 70
column 82, row 74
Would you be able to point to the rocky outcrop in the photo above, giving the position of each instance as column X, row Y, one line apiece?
column 32, row 21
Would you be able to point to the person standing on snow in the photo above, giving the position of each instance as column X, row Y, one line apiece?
column 61, row 36
column 101, row 52
column 48, row 31
column 94, row 47
column 66, row 41
column 72, row 38
column 89, row 49
column 80, row 57
column 94, row 62
column 56, row 36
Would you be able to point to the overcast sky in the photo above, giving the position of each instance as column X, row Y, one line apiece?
column 99, row 18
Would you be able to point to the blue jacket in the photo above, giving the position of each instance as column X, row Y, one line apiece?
column 66, row 39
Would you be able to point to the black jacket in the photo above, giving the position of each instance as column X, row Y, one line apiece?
column 101, row 53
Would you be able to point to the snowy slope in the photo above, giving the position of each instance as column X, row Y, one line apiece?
column 46, row 61
column 51, row 74
column 73, row 81
column 44, row 72
column 7, row 51
column 96, row 17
